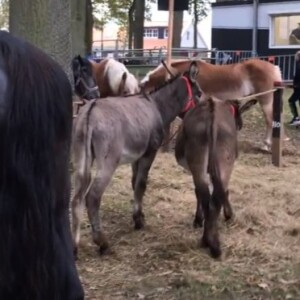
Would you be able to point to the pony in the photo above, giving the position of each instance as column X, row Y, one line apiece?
column 36, row 260
column 84, row 85
column 110, row 132
column 207, row 143
column 114, row 79
column 230, row 81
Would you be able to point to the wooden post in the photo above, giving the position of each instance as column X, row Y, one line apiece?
column 277, row 126
column 170, row 32
column 166, row 142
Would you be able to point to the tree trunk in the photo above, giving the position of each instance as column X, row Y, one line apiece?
column 177, row 29
column 89, row 26
column 139, row 25
column 46, row 24
column 78, row 11
column 131, row 24
column 195, row 24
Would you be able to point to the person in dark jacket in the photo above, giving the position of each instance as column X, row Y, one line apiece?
column 295, row 36
column 296, row 94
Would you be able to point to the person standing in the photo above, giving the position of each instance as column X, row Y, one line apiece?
column 296, row 93
column 294, row 37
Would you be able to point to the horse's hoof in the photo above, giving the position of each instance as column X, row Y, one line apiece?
column 139, row 224
column 104, row 249
column 139, row 221
column 203, row 243
column 215, row 251
column 228, row 215
column 266, row 148
column 198, row 222
column 213, row 245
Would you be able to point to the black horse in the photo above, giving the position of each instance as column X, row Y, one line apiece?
column 36, row 259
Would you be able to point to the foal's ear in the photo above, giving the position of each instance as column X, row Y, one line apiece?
column 247, row 105
column 193, row 71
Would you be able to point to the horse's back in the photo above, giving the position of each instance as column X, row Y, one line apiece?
column 133, row 114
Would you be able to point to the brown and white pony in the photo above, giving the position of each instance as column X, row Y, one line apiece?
column 114, row 79
column 228, row 82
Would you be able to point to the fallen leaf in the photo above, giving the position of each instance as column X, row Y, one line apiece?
column 140, row 296
column 263, row 285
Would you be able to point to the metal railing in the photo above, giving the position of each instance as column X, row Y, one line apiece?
column 286, row 64
column 150, row 56
column 140, row 61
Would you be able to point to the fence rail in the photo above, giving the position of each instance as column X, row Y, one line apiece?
column 140, row 61
column 285, row 62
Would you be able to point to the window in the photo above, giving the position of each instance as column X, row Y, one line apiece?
column 285, row 31
column 166, row 33
column 151, row 32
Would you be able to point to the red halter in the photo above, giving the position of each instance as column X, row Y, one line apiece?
column 191, row 102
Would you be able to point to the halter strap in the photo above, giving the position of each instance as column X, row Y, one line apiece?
column 232, row 110
column 88, row 89
column 191, row 103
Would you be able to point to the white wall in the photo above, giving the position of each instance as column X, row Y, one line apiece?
column 241, row 16
column 238, row 16
column 188, row 43
column 204, row 33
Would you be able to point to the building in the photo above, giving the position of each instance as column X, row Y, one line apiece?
column 269, row 29
column 261, row 26
column 155, row 34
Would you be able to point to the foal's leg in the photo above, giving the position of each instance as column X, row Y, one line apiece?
column 211, row 213
column 198, row 167
column 227, row 209
column 134, row 168
column 266, row 103
column 93, row 201
column 144, row 165
column 226, row 168
column 77, row 209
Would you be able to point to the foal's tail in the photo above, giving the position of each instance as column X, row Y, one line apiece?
column 213, row 163
column 83, row 148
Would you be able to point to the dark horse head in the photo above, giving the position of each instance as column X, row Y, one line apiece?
column 85, row 84
column 36, row 259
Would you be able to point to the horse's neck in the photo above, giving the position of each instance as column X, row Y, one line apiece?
column 170, row 100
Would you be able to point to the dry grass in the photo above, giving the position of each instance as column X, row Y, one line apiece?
column 261, row 246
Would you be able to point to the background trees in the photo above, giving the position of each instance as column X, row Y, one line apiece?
column 64, row 28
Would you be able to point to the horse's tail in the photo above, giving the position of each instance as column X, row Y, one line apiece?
column 35, row 135
column 213, row 163
column 277, row 75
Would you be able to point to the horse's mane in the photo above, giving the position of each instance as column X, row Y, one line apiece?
column 36, row 120
column 167, row 82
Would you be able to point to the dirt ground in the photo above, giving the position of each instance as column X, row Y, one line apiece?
column 261, row 246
